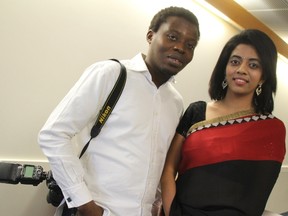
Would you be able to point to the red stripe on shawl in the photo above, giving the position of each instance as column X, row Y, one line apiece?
column 260, row 140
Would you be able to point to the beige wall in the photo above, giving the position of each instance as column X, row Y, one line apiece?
column 279, row 196
column 45, row 46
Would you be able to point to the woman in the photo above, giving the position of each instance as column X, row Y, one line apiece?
column 228, row 152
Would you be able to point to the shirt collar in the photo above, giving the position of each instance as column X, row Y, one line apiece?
column 137, row 63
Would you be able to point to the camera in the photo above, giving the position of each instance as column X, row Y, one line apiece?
column 13, row 173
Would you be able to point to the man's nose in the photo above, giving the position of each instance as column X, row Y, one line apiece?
column 179, row 47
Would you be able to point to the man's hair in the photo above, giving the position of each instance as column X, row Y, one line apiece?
column 163, row 14
column 267, row 53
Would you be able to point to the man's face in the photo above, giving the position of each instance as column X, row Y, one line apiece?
column 171, row 47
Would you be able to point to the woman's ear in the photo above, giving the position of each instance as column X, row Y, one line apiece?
column 261, row 82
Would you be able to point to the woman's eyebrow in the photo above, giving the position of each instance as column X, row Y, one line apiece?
column 241, row 57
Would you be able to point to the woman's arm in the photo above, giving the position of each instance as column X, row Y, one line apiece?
column 168, row 185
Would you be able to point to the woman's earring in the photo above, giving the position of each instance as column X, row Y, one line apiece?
column 224, row 83
column 259, row 89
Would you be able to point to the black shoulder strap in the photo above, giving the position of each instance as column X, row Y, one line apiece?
column 108, row 105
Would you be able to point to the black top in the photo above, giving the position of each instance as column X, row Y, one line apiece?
column 193, row 114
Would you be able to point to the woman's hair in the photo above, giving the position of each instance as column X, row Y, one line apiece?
column 267, row 53
column 163, row 14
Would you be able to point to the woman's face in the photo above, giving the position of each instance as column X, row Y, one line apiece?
column 243, row 71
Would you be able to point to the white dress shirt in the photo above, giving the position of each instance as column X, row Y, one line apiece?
column 122, row 166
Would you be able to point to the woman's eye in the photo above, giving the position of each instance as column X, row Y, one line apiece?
column 234, row 62
column 254, row 65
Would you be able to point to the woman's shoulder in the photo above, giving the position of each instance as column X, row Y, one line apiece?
column 193, row 114
column 278, row 121
column 197, row 106
column 196, row 111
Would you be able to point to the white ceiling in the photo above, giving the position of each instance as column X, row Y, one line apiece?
column 273, row 13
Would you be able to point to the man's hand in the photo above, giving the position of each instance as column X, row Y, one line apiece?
column 90, row 209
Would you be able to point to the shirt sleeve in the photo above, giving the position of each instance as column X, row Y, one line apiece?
column 76, row 114
column 193, row 114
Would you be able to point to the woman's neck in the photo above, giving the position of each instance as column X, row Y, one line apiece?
column 237, row 103
column 225, row 107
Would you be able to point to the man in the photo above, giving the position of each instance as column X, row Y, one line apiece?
column 119, row 173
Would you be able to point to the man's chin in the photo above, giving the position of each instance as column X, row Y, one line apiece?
column 171, row 71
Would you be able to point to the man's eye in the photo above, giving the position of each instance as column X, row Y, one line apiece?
column 191, row 46
column 172, row 37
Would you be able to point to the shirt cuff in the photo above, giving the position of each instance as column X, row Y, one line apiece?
column 77, row 195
